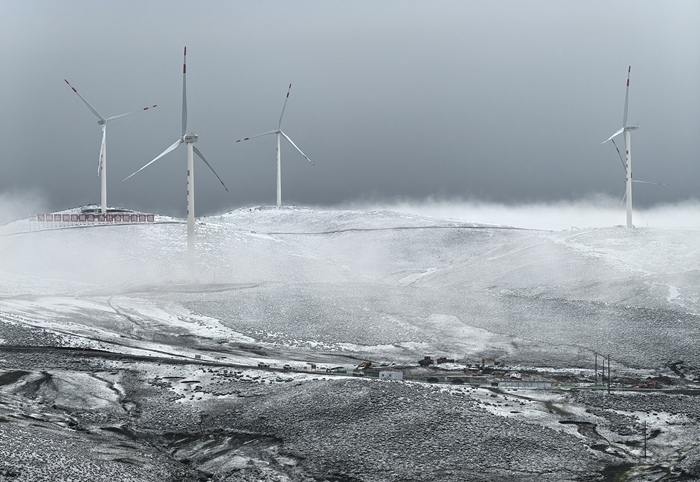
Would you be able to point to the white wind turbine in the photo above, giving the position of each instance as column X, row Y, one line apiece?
column 191, row 150
column 627, row 162
column 628, row 151
column 279, row 134
column 102, row 162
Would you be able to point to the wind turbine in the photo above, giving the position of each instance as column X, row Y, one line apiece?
column 628, row 151
column 278, row 132
column 102, row 162
column 189, row 140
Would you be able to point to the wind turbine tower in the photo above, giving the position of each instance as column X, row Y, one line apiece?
column 102, row 162
column 188, row 140
column 626, row 129
column 278, row 134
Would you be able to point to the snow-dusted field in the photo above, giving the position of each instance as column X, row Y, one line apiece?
column 300, row 286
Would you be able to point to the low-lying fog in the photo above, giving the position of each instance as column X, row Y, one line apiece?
column 595, row 212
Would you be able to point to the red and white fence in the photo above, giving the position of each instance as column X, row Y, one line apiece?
column 82, row 219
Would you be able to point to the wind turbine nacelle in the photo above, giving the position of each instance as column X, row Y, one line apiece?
column 190, row 138
column 632, row 128
column 101, row 122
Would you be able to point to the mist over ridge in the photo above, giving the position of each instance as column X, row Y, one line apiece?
column 592, row 211
column 434, row 243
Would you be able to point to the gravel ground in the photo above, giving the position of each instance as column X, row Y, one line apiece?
column 164, row 427
column 392, row 431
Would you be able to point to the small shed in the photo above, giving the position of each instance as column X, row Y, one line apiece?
column 526, row 384
column 390, row 375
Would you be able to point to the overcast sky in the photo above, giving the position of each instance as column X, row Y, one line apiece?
column 496, row 101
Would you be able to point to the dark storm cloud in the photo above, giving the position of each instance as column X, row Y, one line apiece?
column 496, row 101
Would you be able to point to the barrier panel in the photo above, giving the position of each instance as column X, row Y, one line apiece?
column 91, row 218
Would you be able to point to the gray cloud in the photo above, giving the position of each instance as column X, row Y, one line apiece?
column 504, row 102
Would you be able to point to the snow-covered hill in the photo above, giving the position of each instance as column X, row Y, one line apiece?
column 354, row 280
column 296, row 285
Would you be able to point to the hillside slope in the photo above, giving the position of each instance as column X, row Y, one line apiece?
column 302, row 277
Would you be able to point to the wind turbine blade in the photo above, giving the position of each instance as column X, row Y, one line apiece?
column 196, row 151
column 617, row 133
column 619, row 154
column 92, row 109
column 259, row 135
column 100, row 161
column 295, row 146
column 184, row 94
column 175, row 144
column 649, row 182
column 129, row 113
column 627, row 96
column 279, row 124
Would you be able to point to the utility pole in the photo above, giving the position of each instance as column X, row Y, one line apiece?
column 608, row 374
column 595, row 376
column 645, row 439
